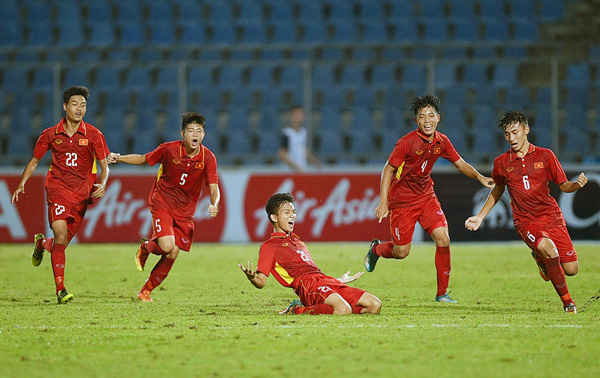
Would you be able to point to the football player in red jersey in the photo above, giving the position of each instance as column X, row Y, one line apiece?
column 407, row 193
column 185, row 165
column 526, row 169
column 70, row 182
column 286, row 257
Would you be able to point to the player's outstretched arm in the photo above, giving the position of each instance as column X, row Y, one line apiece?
column 100, row 190
column 134, row 159
column 27, row 172
column 257, row 279
column 473, row 223
column 382, row 209
column 215, row 198
column 571, row 186
column 346, row 278
column 468, row 170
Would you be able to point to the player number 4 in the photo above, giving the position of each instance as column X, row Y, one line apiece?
column 423, row 166
column 526, row 182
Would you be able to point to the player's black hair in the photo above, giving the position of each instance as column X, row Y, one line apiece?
column 75, row 91
column 192, row 117
column 425, row 101
column 275, row 202
column 513, row 116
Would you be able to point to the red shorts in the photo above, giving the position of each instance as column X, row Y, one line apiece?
column 315, row 289
column 163, row 224
column 533, row 233
column 403, row 220
column 72, row 213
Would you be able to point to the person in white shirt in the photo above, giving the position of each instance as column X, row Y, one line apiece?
column 294, row 150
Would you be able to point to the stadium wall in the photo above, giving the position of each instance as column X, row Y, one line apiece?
column 331, row 206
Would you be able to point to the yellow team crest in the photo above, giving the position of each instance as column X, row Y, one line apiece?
column 176, row 161
column 419, row 152
column 58, row 141
column 510, row 169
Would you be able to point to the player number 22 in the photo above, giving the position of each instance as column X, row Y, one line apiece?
column 71, row 159
column 182, row 180
column 526, row 182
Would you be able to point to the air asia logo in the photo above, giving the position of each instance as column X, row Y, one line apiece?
column 341, row 207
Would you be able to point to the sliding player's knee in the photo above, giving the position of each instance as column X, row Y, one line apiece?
column 571, row 269
column 374, row 306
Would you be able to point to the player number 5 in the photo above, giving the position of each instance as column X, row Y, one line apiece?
column 182, row 180
column 157, row 225
column 526, row 182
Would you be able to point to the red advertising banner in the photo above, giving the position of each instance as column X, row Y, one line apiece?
column 329, row 207
column 122, row 215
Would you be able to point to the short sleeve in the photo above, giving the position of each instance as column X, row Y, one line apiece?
column 212, row 176
column 100, row 147
column 449, row 152
column 41, row 146
column 555, row 170
column 398, row 155
column 497, row 175
column 266, row 260
column 155, row 156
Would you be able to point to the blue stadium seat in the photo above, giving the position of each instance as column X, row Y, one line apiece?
column 526, row 31
column 311, row 11
column 551, row 10
column 239, row 143
column 522, row 10
column 414, row 76
column 371, row 10
column 314, row 32
column 383, row 75
column 14, row 78
column 375, row 32
column 268, row 144
column 211, row 141
column 201, row 77
column 193, row 34
column 436, row 31
column 223, row 34
column 248, row 11
column 505, row 75
column 159, row 11
column 37, row 11
column 108, row 77
column 102, row 34
column 484, row 52
column 544, row 96
column 431, row 8
column 493, row 9
column 353, row 73
column 43, row 78
column 486, row 142
column 219, row 11
column 261, row 76
column 362, row 119
column 99, row 11
column 132, row 34
column 462, row 9
column 402, row 10
column 254, row 33
column 280, row 10
column 137, row 78
column 331, row 121
column 484, row 117
column 40, row 34
column 331, row 143
column 344, row 31
column 10, row 13
column 445, row 75
column 404, row 31
column 70, row 35
column 517, row 97
column 11, row 35
column 457, row 136
column 283, row 32
column 230, row 77
column 129, row 11
column 167, row 77
column 496, row 30
column 578, row 74
column 323, row 74
column 68, row 11
column 465, row 30
column 452, row 118
column 340, row 10
column 188, row 11
column 292, row 75
column 145, row 141
column 162, row 34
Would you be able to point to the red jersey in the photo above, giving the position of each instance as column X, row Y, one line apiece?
column 72, row 173
column 180, row 177
column 413, row 157
column 527, row 182
column 287, row 257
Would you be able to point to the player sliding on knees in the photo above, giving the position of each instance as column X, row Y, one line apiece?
column 185, row 165
column 287, row 258
column 526, row 169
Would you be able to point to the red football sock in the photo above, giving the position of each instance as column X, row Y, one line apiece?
column 314, row 310
column 385, row 250
column 159, row 273
column 443, row 267
column 153, row 247
column 558, row 279
column 58, row 265
column 46, row 244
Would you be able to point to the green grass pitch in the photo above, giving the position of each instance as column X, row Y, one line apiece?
column 207, row 320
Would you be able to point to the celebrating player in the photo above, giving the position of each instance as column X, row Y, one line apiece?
column 70, row 182
column 407, row 192
column 526, row 169
column 185, row 166
column 287, row 257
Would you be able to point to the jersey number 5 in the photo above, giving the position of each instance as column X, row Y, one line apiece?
column 182, row 179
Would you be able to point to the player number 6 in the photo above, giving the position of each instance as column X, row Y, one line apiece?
column 526, row 182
